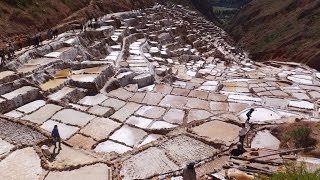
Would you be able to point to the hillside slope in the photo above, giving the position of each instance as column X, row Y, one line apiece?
column 27, row 17
column 286, row 30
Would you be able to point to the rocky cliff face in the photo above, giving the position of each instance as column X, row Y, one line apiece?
column 287, row 30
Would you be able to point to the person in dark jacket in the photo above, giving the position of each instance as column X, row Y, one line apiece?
column 36, row 41
column 189, row 172
column 249, row 113
column 28, row 40
column 40, row 39
column 50, row 34
column 10, row 49
column 55, row 33
column 21, row 42
column 238, row 151
column 2, row 57
column 56, row 137
column 242, row 134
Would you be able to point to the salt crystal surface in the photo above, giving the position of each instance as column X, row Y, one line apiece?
column 32, row 106
column 128, row 135
column 150, row 138
column 14, row 114
column 243, row 98
column 301, row 104
column 110, row 146
column 139, row 121
column 238, row 80
column 64, row 130
column 210, row 83
column 162, row 125
column 53, row 54
column 264, row 139
column 301, row 79
column 93, row 100
column 260, row 115
column 5, row 147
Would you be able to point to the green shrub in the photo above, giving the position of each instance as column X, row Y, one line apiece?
column 301, row 136
column 294, row 173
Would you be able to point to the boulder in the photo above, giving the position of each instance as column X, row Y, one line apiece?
column 144, row 80
column 125, row 78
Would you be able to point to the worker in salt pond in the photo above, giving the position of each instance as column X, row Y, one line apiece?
column 50, row 34
column 55, row 33
column 21, row 41
column 249, row 114
column 36, row 41
column 2, row 57
column 240, row 146
column 28, row 41
column 189, row 172
column 246, row 127
column 56, row 137
column 10, row 50
column 242, row 135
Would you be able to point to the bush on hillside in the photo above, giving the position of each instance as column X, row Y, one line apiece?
column 294, row 172
column 301, row 136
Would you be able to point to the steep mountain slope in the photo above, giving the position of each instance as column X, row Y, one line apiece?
column 22, row 17
column 286, row 30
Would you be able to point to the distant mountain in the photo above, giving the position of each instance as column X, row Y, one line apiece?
column 229, row 3
column 283, row 30
column 203, row 6
column 226, row 9
column 219, row 11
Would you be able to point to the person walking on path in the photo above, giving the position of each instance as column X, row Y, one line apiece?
column 56, row 137
column 21, row 40
column 55, row 33
column 10, row 49
column 36, row 41
column 2, row 57
column 49, row 34
column 189, row 172
column 40, row 39
column 28, row 41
